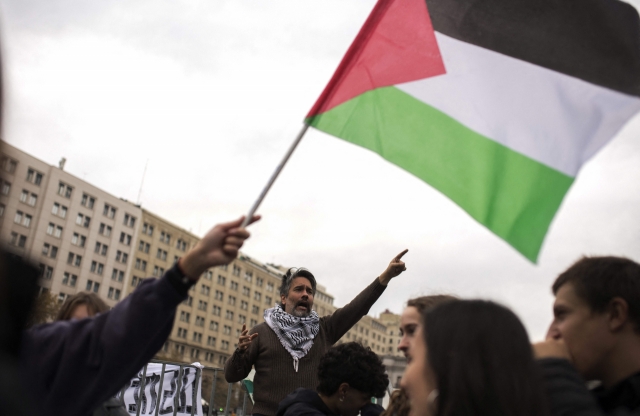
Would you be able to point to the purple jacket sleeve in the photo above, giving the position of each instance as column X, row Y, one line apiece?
column 73, row 366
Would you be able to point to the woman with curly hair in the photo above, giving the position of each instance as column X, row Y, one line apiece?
column 472, row 358
column 350, row 375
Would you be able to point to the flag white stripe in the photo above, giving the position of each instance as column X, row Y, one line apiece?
column 553, row 118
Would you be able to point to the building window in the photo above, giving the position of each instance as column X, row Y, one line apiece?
column 141, row 265
column 255, row 309
column 62, row 297
column 54, row 230
column 232, row 300
column 202, row 305
column 182, row 333
column 181, row 244
column 74, row 259
column 211, row 341
column 205, row 290
column 97, row 268
column 244, row 305
column 109, row 211
column 59, row 210
column 64, row 190
column 49, row 250
column 46, row 272
column 222, row 280
column 69, row 279
column 9, row 164
column 188, row 301
column 34, row 177
column 216, row 310
column 199, row 321
column 87, row 201
column 78, row 240
column 161, row 254
column 122, row 257
column 114, row 293
column 219, row 295
column 213, row 326
column 195, row 353
column 5, row 188
column 165, row 237
column 101, row 248
column 185, row 316
column 234, row 285
column 227, row 330
column 147, row 229
column 222, row 360
column 22, row 218
column 257, row 296
column 129, row 220
column 259, row 281
column 246, row 291
column 207, row 275
column 236, row 270
column 92, row 286
column 158, row 271
column 18, row 240
column 144, row 247
column 135, row 281
column 117, row 275
column 105, row 229
column 268, row 300
column 242, row 319
column 248, row 276
column 28, row 198
column 83, row 221
column 197, row 337
column 125, row 239
column 229, row 315
column 269, row 287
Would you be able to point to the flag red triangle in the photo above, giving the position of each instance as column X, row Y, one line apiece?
column 396, row 44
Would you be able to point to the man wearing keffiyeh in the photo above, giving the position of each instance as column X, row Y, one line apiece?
column 286, row 349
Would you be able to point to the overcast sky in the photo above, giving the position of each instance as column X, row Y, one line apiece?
column 210, row 94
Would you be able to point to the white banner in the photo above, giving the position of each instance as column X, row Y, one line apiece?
column 151, row 398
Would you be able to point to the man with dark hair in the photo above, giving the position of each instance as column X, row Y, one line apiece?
column 595, row 334
column 286, row 348
column 350, row 375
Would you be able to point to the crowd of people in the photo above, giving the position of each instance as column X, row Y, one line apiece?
column 464, row 357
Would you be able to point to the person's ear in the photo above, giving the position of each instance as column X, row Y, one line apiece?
column 618, row 314
column 342, row 391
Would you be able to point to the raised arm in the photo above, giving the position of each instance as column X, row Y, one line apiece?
column 344, row 318
column 73, row 366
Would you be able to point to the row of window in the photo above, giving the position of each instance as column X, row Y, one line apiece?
column 217, row 310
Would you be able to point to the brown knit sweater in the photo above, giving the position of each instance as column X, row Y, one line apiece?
column 275, row 376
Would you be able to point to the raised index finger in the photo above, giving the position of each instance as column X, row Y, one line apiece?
column 399, row 256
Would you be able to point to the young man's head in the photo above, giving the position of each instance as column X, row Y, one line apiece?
column 597, row 313
column 297, row 291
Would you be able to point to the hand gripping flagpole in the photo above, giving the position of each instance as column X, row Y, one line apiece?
column 274, row 176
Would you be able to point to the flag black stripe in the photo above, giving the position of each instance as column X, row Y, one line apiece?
column 597, row 41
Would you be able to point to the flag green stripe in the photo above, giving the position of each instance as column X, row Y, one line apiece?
column 514, row 196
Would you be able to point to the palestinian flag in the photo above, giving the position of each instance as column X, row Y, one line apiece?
column 496, row 103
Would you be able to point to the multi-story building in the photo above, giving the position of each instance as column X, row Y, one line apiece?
column 80, row 235
column 87, row 239
column 392, row 322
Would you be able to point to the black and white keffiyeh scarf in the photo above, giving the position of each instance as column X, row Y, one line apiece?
column 296, row 334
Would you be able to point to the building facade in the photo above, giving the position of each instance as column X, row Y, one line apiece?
column 84, row 238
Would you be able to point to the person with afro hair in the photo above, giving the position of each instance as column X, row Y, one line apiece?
column 350, row 375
